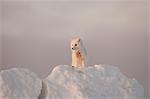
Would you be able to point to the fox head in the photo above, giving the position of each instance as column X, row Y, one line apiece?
column 75, row 44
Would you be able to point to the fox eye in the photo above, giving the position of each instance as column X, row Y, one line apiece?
column 75, row 44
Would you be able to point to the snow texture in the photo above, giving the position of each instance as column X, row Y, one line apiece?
column 66, row 82
column 95, row 82
column 18, row 83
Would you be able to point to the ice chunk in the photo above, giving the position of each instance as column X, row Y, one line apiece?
column 97, row 82
column 18, row 83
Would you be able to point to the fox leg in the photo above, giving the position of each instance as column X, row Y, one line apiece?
column 83, row 61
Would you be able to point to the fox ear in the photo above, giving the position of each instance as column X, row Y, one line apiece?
column 78, row 39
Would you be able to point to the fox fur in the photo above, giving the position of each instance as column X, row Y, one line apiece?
column 79, row 55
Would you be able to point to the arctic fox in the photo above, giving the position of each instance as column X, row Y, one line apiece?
column 79, row 55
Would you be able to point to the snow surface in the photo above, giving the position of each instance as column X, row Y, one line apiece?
column 19, row 83
column 66, row 82
column 97, row 82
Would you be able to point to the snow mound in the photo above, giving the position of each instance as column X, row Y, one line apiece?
column 19, row 83
column 66, row 82
column 95, row 82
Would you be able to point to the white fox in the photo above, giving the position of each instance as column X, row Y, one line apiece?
column 79, row 55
